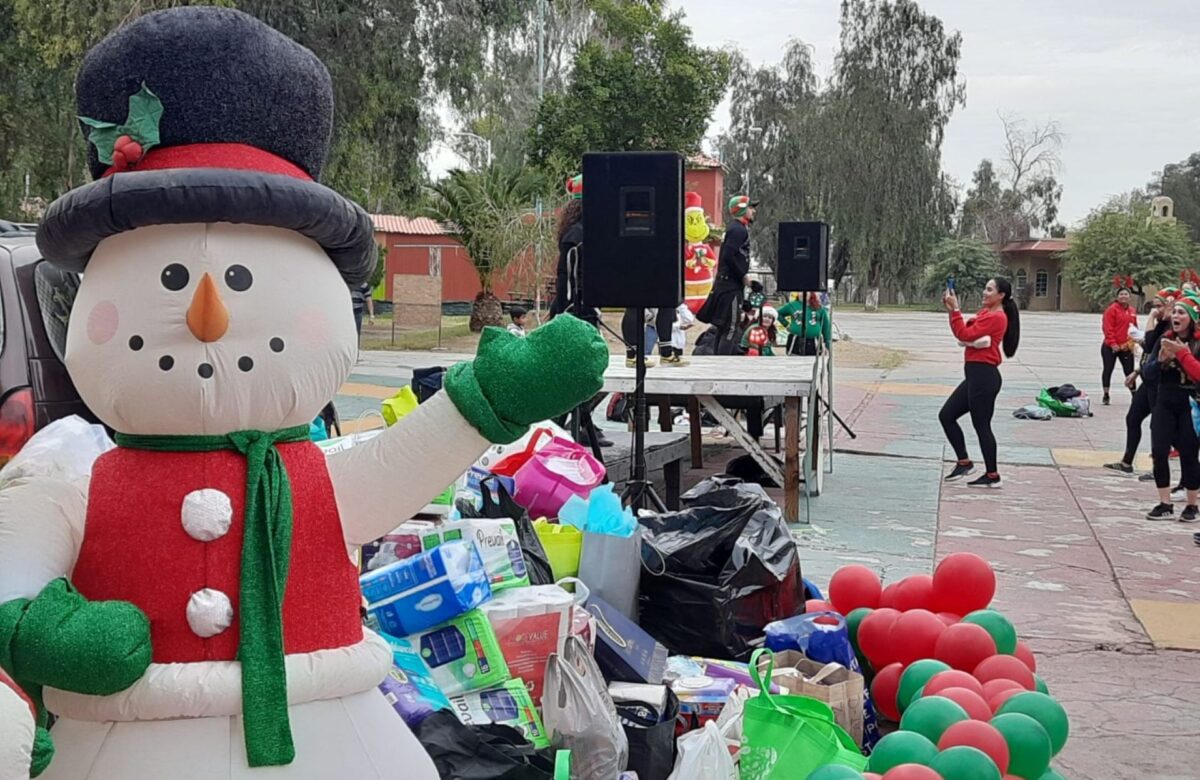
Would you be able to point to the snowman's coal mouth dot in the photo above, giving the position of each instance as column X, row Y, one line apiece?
column 245, row 363
column 136, row 343
column 276, row 344
column 205, row 371
column 166, row 362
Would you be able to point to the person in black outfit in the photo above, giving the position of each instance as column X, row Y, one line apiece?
column 566, row 295
column 1147, row 392
column 721, row 308
column 1171, row 421
column 632, row 330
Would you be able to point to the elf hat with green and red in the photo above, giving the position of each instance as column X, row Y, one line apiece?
column 575, row 186
column 740, row 205
column 1190, row 305
column 1167, row 294
column 201, row 115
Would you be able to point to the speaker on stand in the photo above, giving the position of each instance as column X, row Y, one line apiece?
column 633, row 216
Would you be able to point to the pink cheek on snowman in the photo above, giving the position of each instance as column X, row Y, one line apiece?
column 102, row 322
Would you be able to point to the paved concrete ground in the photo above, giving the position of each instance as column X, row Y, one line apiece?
column 1109, row 602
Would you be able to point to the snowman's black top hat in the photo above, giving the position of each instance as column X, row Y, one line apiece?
column 205, row 114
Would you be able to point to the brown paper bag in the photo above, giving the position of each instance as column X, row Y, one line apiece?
column 831, row 683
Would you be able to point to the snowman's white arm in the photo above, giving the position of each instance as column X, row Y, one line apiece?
column 41, row 530
column 383, row 482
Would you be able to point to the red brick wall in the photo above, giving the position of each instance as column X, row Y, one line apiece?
column 710, row 183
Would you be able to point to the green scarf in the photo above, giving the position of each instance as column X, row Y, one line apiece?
column 266, row 550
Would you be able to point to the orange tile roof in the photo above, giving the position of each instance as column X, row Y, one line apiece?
column 704, row 161
column 409, row 226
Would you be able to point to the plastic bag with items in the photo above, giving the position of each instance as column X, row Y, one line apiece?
column 580, row 715
column 65, row 449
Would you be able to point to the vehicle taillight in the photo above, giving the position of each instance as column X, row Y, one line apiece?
column 16, row 422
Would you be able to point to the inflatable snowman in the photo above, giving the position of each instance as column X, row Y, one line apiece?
column 193, row 612
column 18, row 730
column 699, row 262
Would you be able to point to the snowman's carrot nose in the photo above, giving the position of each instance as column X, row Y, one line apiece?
column 207, row 317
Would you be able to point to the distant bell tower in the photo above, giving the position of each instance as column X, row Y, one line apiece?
column 1162, row 209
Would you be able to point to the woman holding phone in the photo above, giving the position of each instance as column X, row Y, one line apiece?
column 1177, row 371
column 996, row 325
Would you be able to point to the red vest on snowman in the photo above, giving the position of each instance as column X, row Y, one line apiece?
column 173, row 547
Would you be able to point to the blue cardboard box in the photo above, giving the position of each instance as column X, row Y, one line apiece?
column 624, row 652
column 416, row 593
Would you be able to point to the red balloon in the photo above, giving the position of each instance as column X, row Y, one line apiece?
column 972, row 702
column 996, row 700
column 949, row 618
column 854, row 586
column 914, row 592
column 874, row 636
column 1005, row 667
column 887, row 598
column 995, row 685
column 953, row 679
column 884, row 688
column 911, row 772
column 1026, row 655
column 962, row 583
column 914, row 635
column 816, row 605
column 977, row 734
column 964, row 646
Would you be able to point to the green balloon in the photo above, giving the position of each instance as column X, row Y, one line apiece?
column 915, row 676
column 852, row 622
column 834, row 772
column 932, row 716
column 901, row 747
column 1046, row 711
column 1040, row 685
column 964, row 763
column 998, row 626
column 1051, row 775
column 1028, row 744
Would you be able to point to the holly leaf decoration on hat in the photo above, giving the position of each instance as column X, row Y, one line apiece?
column 122, row 146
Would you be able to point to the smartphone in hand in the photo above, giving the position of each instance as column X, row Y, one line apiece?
column 950, row 283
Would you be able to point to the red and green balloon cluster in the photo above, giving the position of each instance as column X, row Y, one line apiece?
column 952, row 672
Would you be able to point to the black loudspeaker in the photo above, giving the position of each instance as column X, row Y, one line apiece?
column 632, row 229
column 803, row 260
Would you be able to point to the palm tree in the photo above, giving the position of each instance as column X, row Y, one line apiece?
column 490, row 214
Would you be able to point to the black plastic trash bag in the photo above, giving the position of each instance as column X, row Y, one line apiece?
column 489, row 752
column 726, row 490
column 713, row 576
column 536, row 561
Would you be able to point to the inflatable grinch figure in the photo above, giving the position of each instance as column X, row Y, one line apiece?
column 193, row 612
column 699, row 261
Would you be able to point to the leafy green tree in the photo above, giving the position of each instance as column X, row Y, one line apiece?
column 863, row 153
column 1122, row 238
column 971, row 262
column 643, row 86
column 490, row 214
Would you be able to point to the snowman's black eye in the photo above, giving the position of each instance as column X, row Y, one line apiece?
column 239, row 278
column 175, row 277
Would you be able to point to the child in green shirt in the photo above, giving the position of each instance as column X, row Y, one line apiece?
column 803, row 331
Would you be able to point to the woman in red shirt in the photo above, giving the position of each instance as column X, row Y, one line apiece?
column 997, row 323
column 1118, row 318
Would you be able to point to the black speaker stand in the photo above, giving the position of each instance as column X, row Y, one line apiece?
column 639, row 491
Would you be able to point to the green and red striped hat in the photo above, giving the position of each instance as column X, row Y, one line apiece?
column 1191, row 305
column 740, row 205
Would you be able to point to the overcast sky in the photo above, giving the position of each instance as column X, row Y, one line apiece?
column 1122, row 78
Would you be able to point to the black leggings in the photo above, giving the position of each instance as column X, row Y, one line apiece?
column 801, row 346
column 1139, row 409
column 1110, row 357
column 975, row 394
column 1171, row 426
column 632, row 329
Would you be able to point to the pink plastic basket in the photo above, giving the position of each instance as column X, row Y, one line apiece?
column 556, row 472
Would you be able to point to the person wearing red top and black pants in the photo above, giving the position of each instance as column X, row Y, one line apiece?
column 1118, row 318
column 997, row 324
